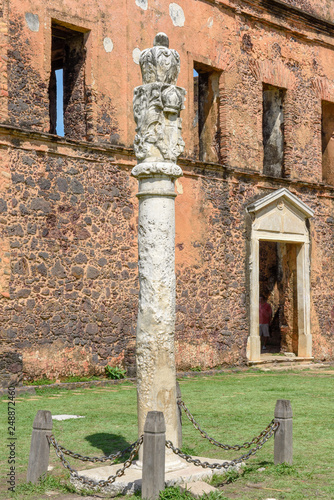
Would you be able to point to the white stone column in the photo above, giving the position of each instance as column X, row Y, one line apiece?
column 156, row 374
column 158, row 143
column 303, row 301
column 254, row 342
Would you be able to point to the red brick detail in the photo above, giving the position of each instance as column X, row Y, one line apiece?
column 273, row 73
column 323, row 89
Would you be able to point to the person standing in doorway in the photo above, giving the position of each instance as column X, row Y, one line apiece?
column 265, row 314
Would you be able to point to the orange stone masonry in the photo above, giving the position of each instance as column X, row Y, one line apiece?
column 68, row 244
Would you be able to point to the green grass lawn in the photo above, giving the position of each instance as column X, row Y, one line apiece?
column 232, row 407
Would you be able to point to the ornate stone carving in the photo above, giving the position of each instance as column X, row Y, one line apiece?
column 162, row 168
column 160, row 63
column 157, row 104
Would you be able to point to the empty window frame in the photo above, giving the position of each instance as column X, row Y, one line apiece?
column 273, row 130
column 327, row 139
column 206, row 110
column 67, row 82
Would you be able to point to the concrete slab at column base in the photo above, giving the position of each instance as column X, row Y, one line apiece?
column 131, row 481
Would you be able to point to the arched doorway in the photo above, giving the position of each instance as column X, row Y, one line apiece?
column 279, row 221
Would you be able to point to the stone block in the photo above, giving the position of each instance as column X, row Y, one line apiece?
column 198, row 488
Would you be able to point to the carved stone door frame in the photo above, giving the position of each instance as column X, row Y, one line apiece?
column 280, row 217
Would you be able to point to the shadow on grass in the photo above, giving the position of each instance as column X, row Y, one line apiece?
column 108, row 443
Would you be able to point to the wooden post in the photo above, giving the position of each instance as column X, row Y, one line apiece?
column 40, row 446
column 283, row 435
column 154, row 455
column 179, row 410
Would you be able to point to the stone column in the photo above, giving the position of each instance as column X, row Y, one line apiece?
column 158, row 143
column 254, row 341
column 303, row 301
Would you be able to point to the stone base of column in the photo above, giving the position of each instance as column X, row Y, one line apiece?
column 172, row 463
column 305, row 346
column 131, row 481
column 253, row 348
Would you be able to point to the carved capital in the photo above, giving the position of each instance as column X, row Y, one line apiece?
column 148, row 169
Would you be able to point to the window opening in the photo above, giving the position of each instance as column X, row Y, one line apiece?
column 273, row 130
column 327, row 139
column 60, row 102
column 206, row 113
column 67, row 82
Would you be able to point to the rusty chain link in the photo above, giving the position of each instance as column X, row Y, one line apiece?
column 225, row 465
column 104, row 458
column 246, row 444
column 90, row 482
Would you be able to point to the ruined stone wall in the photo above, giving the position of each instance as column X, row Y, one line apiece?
column 28, row 104
column 212, row 254
column 68, row 274
column 11, row 368
column 322, row 262
column 278, row 51
column 27, row 63
column 211, row 250
column 71, row 298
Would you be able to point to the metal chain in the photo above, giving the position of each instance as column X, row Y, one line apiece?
column 259, row 440
column 225, row 465
column 246, row 444
column 104, row 458
column 90, row 482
